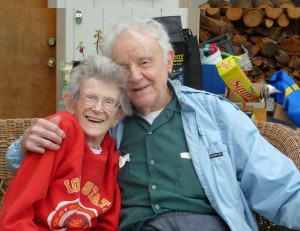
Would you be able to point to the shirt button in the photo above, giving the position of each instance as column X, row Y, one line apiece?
column 157, row 206
column 151, row 161
column 153, row 186
column 149, row 133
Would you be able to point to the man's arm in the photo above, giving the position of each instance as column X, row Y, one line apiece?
column 14, row 156
column 44, row 134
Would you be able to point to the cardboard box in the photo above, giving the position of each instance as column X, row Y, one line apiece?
column 280, row 114
column 257, row 111
column 235, row 79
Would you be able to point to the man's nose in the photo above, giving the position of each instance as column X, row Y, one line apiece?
column 135, row 73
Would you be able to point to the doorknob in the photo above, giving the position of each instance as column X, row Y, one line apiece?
column 51, row 42
column 51, row 62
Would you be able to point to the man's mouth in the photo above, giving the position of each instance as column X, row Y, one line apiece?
column 139, row 89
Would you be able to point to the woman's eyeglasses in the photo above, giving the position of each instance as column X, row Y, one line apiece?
column 91, row 99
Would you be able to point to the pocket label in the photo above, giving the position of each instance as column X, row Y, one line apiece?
column 185, row 155
column 215, row 155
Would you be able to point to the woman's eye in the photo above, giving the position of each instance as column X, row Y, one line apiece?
column 91, row 97
column 109, row 101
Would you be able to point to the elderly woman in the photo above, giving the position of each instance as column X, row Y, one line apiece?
column 75, row 188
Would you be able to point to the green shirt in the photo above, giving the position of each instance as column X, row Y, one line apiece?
column 160, row 176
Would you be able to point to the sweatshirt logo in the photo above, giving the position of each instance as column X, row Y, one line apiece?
column 90, row 190
column 71, row 214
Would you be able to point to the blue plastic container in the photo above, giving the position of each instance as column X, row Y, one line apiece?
column 211, row 80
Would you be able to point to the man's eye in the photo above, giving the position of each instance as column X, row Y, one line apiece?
column 146, row 62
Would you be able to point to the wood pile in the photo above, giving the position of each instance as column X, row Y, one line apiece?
column 269, row 30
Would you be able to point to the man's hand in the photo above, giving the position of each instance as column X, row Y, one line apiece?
column 44, row 134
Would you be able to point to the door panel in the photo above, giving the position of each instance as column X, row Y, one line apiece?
column 23, row 3
column 27, row 84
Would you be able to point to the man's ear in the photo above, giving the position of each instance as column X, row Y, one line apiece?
column 171, row 55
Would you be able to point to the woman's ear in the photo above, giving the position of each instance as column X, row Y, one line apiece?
column 68, row 102
column 119, row 116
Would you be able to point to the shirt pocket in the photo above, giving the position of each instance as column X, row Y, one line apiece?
column 221, row 171
column 187, row 182
column 220, row 159
column 125, row 182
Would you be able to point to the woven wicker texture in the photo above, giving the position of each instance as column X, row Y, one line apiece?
column 10, row 130
column 282, row 137
column 286, row 140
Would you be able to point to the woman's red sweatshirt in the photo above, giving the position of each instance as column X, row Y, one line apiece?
column 68, row 189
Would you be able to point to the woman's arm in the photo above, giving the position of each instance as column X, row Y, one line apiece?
column 28, row 186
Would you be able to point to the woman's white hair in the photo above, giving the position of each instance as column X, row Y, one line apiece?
column 103, row 69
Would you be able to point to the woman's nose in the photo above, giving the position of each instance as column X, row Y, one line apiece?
column 98, row 106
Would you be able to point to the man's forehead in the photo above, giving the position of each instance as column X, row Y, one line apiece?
column 132, row 50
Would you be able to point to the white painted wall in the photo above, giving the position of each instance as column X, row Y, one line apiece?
column 104, row 19
column 103, row 14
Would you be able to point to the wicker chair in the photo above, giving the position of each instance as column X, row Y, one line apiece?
column 287, row 140
column 10, row 130
column 282, row 137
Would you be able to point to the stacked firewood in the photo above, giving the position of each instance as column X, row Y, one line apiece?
column 269, row 30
